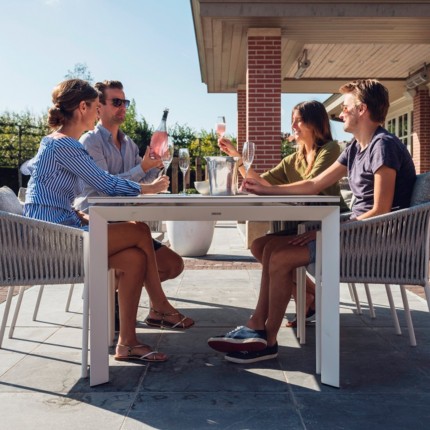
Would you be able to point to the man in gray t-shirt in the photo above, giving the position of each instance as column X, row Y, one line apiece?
column 384, row 149
column 381, row 175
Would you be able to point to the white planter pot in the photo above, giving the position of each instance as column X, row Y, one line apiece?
column 190, row 238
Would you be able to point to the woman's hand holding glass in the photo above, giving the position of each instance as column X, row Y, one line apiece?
column 254, row 186
column 158, row 185
column 227, row 147
column 220, row 127
column 248, row 153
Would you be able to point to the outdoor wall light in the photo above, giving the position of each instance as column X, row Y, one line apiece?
column 416, row 79
column 302, row 64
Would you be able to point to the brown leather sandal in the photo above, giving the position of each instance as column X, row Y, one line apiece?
column 163, row 323
column 150, row 356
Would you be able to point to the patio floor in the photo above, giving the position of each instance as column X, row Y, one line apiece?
column 385, row 383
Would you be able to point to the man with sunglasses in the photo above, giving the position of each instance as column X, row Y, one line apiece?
column 116, row 153
column 113, row 150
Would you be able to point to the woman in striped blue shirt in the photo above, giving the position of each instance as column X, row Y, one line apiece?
column 58, row 170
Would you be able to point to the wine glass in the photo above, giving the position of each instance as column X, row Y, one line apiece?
column 248, row 153
column 167, row 155
column 184, row 164
column 220, row 127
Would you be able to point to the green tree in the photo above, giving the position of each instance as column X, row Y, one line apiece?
column 205, row 145
column 80, row 71
column 139, row 131
column 182, row 136
column 287, row 145
column 20, row 135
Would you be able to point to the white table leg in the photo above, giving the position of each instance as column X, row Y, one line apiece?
column 98, row 286
column 318, row 305
column 330, row 300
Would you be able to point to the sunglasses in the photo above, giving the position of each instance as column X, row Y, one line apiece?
column 119, row 102
column 346, row 109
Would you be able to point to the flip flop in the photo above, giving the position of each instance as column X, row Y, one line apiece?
column 162, row 323
column 148, row 357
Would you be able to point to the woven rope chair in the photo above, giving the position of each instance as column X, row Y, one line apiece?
column 34, row 252
column 389, row 249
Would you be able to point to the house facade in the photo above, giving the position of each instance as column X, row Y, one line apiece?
column 261, row 49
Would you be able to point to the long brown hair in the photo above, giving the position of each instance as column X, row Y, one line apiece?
column 315, row 116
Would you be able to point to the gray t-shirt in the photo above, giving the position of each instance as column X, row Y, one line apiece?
column 385, row 149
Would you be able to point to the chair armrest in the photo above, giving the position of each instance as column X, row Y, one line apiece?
column 393, row 246
column 32, row 250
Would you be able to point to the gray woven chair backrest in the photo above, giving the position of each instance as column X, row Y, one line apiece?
column 421, row 191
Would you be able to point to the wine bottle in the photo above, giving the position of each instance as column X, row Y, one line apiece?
column 158, row 143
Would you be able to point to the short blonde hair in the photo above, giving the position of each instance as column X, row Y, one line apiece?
column 373, row 94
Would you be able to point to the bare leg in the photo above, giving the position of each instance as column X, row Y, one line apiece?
column 170, row 264
column 284, row 260
column 130, row 266
column 259, row 317
column 262, row 247
column 310, row 294
column 258, row 245
column 135, row 234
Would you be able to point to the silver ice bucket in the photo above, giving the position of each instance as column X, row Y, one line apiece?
column 222, row 173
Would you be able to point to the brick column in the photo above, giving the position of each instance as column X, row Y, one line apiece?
column 263, row 95
column 421, row 130
column 241, row 117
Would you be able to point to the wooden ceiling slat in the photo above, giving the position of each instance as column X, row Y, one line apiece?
column 339, row 46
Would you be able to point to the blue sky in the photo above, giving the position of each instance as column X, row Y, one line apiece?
column 149, row 45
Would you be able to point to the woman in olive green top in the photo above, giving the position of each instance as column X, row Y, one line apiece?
column 316, row 151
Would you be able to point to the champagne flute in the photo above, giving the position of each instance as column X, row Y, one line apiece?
column 248, row 153
column 167, row 156
column 184, row 164
column 220, row 127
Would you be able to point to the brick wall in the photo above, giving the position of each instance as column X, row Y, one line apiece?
column 421, row 130
column 241, row 117
column 263, row 96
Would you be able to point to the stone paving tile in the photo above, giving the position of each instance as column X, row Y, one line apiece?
column 384, row 382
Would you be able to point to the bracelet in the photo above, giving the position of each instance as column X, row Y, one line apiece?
column 240, row 165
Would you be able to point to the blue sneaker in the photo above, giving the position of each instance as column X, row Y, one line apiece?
column 240, row 339
column 244, row 357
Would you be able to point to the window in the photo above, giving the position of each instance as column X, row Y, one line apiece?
column 401, row 126
column 391, row 126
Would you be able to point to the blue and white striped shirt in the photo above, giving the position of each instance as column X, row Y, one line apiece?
column 124, row 163
column 57, row 173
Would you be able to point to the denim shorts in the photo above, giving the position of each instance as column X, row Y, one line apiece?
column 312, row 246
column 157, row 244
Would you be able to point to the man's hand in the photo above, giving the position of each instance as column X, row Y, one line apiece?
column 148, row 163
column 159, row 185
